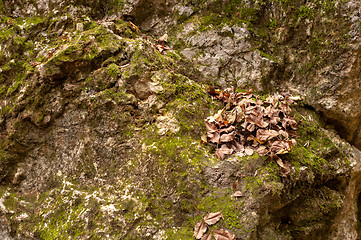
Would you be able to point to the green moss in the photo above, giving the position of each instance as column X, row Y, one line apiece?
column 304, row 12
column 113, row 70
column 221, row 200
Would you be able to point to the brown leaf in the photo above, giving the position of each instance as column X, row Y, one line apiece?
column 200, row 229
column 216, row 117
column 255, row 116
column 285, row 108
column 262, row 150
column 213, row 137
column 288, row 122
column 239, row 114
column 223, row 151
column 204, row 138
column 163, row 38
column 285, row 167
column 238, row 194
column 227, row 137
column 274, row 120
column 221, row 234
column 227, row 129
column 251, row 127
column 212, row 218
column 280, row 147
column 293, row 142
column 283, row 133
column 211, row 127
column 264, row 135
column 207, row 236
column 237, row 146
column 272, row 100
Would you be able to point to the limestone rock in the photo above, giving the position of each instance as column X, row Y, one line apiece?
column 99, row 129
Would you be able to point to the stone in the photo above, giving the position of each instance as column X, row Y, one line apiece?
column 100, row 129
column 80, row 27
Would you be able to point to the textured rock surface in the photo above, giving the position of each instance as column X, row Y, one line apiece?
column 99, row 131
column 310, row 48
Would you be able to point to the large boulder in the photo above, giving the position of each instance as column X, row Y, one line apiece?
column 100, row 130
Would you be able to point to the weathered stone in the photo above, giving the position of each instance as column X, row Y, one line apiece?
column 98, row 129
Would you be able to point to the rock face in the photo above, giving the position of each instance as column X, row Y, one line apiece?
column 100, row 124
column 308, row 48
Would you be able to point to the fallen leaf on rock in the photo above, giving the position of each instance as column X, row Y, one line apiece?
column 238, row 194
column 213, row 137
column 280, row 147
column 292, row 142
column 285, row 108
column 264, row 135
column 251, row 127
column 228, row 137
column 237, row 146
column 256, row 117
column 283, row 133
column 227, row 129
column 272, row 100
column 163, row 38
column 200, row 229
column 223, row 151
column 239, row 114
column 204, row 138
column 211, row 127
column 221, row 234
column 285, row 167
column 262, row 150
column 207, row 236
column 267, row 125
column 212, row 218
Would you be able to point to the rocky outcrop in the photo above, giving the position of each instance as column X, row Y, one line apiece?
column 308, row 48
column 100, row 128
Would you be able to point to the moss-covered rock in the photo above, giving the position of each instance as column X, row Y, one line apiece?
column 100, row 134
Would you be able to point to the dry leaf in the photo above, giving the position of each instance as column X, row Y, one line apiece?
column 223, row 151
column 238, row 194
column 204, row 138
column 251, row 127
column 283, row 133
column 239, row 114
column 255, row 116
column 207, row 236
column 221, row 234
column 213, row 137
column 285, row 167
column 163, row 38
column 262, row 150
column 200, row 229
column 264, row 135
column 286, row 170
column 211, row 127
column 212, row 218
column 227, row 137
column 280, row 147
column 237, row 147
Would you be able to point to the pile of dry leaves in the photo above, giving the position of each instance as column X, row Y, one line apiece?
column 249, row 124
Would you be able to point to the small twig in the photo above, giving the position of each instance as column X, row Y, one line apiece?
column 196, row 210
